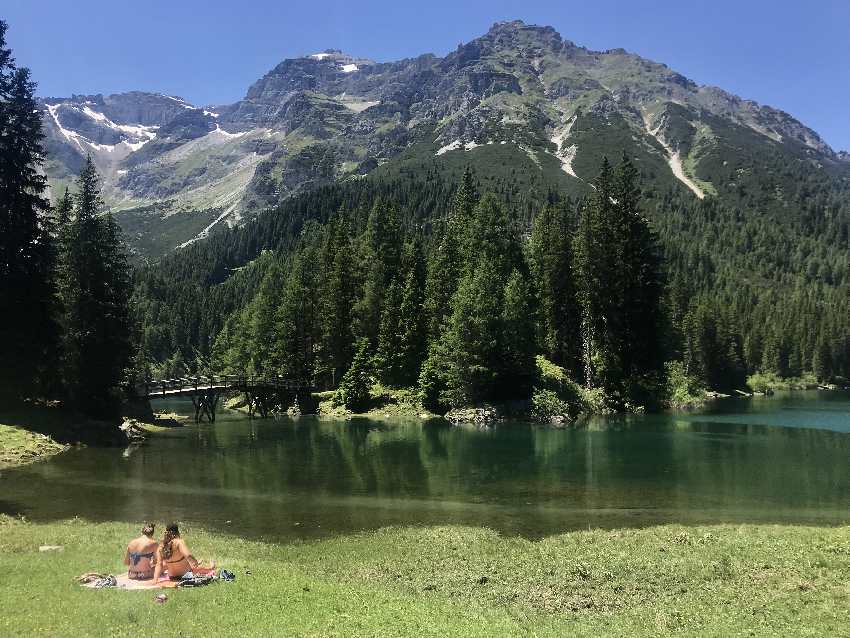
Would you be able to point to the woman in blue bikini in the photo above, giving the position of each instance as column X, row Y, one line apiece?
column 140, row 557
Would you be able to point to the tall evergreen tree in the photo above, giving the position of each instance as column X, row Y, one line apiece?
column 95, row 287
column 27, row 325
column 446, row 259
column 620, row 284
column 337, row 299
column 380, row 259
column 518, row 342
column 551, row 261
column 297, row 317
column 401, row 341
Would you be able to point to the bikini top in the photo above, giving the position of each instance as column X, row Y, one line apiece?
column 137, row 556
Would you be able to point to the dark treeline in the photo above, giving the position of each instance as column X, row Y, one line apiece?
column 184, row 298
column 65, row 284
column 458, row 302
column 463, row 312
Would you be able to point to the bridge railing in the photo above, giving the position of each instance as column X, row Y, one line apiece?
column 164, row 387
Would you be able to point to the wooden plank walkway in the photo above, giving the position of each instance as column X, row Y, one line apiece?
column 262, row 394
column 187, row 386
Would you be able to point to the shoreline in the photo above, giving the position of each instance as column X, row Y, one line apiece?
column 32, row 432
column 444, row 580
column 492, row 413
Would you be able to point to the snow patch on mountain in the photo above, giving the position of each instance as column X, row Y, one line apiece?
column 458, row 145
column 451, row 146
column 222, row 133
column 349, row 68
column 180, row 101
column 71, row 136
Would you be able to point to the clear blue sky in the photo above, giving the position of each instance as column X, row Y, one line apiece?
column 791, row 54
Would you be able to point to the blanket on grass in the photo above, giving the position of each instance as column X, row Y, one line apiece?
column 123, row 581
column 100, row 581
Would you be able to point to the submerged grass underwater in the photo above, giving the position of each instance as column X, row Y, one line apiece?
column 717, row 580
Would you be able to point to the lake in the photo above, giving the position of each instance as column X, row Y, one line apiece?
column 779, row 459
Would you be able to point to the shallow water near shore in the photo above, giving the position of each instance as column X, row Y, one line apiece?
column 782, row 459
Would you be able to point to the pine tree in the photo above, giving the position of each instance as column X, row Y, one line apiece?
column 380, row 258
column 595, row 253
column 473, row 337
column 337, row 298
column 446, row 259
column 353, row 391
column 822, row 360
column 263, row 329
column 401, row 340
column 296, row 324
column 518, row 343
column 551, row 257
column 27, row 325
column 620, row 287
column 95, row 288
column 389, row 360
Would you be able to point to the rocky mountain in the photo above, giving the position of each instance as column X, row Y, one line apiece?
column 519, row 101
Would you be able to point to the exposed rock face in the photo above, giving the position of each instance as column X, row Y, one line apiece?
column 520, row 88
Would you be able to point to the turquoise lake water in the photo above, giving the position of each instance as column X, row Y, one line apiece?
column 779, row 459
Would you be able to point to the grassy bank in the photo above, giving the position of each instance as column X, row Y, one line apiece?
column 31, row 432
column 384, row 403
column 770, row 382
column 707, row 581
column 19, row 446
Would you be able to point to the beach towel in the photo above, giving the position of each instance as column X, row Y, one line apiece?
column 123, row 581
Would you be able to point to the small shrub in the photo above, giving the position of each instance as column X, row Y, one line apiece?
column 546, row 405
column 682, row 389
column 555, row 394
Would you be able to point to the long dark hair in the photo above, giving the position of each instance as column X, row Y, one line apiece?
column 171, row 532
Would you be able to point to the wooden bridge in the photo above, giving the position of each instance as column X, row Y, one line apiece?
column 261, row 393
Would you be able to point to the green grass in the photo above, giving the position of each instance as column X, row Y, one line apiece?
column 19, row 446
column 445, row 581
column 384, row 402
column 770, row 382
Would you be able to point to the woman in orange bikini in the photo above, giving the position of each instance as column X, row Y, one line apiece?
column 174, row 556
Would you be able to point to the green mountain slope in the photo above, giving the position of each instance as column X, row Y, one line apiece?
column 519, row 103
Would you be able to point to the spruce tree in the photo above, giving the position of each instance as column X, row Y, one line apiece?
column 27, row 325
column 518, row 343
column 448, row 255
column 353, row 390
column 95, row 288
column 620, row 287
column 551, row 262
column 337, row 299
column 380, row 259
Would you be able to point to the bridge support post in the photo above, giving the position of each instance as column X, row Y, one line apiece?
column 205, row 403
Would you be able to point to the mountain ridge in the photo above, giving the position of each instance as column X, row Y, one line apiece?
column 519, row 94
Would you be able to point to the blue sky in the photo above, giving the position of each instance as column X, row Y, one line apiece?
column 791, row 54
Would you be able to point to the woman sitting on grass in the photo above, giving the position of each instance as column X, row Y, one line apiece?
column 174, row 556
column 140, row 556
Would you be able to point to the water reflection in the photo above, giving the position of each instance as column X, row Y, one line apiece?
column 283, row 478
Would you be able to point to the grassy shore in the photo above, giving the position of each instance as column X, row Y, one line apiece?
column 19, row 446
column 31, row 432
column 445, row 581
